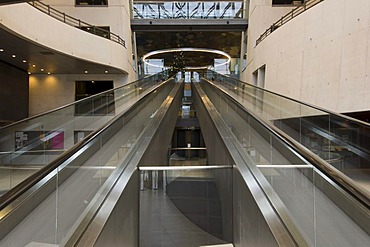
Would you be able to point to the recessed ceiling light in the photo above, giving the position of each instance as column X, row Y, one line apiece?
column 42, row 69
column 49, row 73
column 29, row 73
column 106, row 71
column 1, row 50
column 86, row 71
column 34, row 66
column 13, row 55
column 24, row 61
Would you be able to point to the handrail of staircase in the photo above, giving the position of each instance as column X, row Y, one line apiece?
column 294, row 13
column 77, row 22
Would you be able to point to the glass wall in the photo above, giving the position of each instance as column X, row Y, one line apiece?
column 187, row 10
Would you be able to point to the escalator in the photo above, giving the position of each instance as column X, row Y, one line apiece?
column 326, row 207
column 335, row 140
column 57, row 187
column 255, row 186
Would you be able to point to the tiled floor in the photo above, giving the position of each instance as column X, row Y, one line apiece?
column 162, row 225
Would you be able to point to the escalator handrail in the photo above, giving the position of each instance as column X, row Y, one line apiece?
column 32, row 180
column 47, row 9
column 270, row 205
column 365, row 124
column 343, row 181
column 357, row 149
column 79, row 101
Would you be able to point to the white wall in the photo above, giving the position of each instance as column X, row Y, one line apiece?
column 34, row 25
column 48, row 92
column 320, row 57
column 51, row 91
column 116, row 15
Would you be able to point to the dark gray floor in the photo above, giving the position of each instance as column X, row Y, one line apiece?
column 163, row 225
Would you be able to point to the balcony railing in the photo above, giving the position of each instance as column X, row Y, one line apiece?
column 188, row 10
column 77, row 22
column 295, row 12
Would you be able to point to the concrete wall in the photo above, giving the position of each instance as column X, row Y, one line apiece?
column 261, row 16
column 320, row 57
column 13, row 93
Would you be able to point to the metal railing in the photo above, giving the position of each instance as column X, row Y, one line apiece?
column 295, row 12
column 77, row 22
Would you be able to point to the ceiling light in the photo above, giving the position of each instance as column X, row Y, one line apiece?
column 24, row 61
column 34, row 66
column 42, row 69
column 149, row 54
column 13, row 55
column 29, row 72
column 1, row 50
column 106, row 71
column 86, row 71
column 49, row 73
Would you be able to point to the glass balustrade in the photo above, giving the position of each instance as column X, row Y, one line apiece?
column 185, row 205
column 78, row 185
column 337, row 139
column 31, row 144
column 295, row 187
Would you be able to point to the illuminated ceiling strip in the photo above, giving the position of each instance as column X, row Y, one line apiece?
column 152, row 53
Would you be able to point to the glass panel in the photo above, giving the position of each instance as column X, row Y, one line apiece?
column 80, row 184
column 185, row 207
column 187, row 156
column 337, row 139
column 34, row 143
column 319, row 219
column 301, row 194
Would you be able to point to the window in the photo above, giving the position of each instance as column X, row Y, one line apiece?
column 287, row 2
column 100, row 105
column 91, row 2
column 100, row 31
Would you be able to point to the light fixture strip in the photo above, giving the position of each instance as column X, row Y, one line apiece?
column 186, row 49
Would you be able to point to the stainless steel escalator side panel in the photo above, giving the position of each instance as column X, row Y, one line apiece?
column 97, row 228
column 272, row 214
